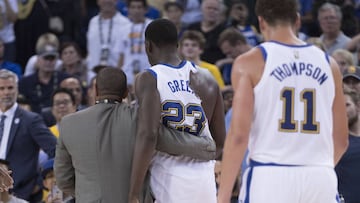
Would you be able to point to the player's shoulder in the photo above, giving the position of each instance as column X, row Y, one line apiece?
column 252, row 57
column 251, row 64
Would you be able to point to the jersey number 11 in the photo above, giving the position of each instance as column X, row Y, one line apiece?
column 287, row 123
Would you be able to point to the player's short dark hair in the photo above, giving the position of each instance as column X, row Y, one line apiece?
column 232, row 36
column 277, row 11
column 162, row 32
column 111, row 81
column 194, row 35
column 65, row 91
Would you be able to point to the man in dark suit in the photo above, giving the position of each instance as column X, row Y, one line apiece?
column 22, row 134
column 95, row 149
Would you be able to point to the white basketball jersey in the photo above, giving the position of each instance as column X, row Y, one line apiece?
column 293, row 107
column 180, row 109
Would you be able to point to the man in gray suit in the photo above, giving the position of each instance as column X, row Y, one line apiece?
column 95, row 149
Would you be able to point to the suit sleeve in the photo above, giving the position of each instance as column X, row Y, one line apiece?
column 64, row 170
column 42, row 136
column 176, row 142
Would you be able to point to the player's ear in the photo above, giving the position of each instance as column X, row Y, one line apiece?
column 261, row 23
column 148, row 46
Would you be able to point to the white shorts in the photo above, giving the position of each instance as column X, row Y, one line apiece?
column 289, row 184
column 179, row 188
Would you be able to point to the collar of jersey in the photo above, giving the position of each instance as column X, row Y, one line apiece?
column 177, row 67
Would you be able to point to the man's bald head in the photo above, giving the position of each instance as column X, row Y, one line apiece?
column 111, row 81
column 73, row 84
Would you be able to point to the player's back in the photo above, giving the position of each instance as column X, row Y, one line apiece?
column 180, row 108
column 181, row 178
column 293, row 107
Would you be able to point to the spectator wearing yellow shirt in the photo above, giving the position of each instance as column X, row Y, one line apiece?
column 63, row 103
column 191, row 46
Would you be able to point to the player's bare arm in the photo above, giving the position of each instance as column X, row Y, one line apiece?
column 247, row 71
column 340, row 123
column 147, row 130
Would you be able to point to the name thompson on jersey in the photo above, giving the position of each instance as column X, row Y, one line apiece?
column 285, row 70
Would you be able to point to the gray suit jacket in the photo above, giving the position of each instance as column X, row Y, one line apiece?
column 95, row 150
column 78, row 159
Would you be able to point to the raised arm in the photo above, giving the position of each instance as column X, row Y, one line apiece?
column 340, row 129
column 148, row 121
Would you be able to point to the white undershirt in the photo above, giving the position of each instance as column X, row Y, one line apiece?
column 7, row 125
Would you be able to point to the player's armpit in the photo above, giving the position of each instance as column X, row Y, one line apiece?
column 176, row 142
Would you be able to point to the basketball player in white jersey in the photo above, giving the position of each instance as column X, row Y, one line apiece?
column 179, row 95
column 289, row 111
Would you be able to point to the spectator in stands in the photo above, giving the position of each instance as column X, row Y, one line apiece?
column 8, row 12
column 330, row 16
column 133, row 57
column 173, row 11
column 307, row 18
column 39, row 86
column 23, row 135
column 8, row 65
column 191, row 45
column 64, row 18
column 238, row 16
column 151, row 12
column 348, row 167
column 227, row 94
column 350, row 23
column 211, row 28
column 351, row 78
column 51, row 192
column 192, row 11
column 63, row 103
column 103, row 36
column 44, row 40
column 73, row 84
column 73, row 63
column 232, row 43
column 343, row 58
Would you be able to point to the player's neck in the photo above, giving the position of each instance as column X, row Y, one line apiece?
column 171, row 59
column 283, row 34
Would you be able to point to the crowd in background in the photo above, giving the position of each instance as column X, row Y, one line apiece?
column 56, row 47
